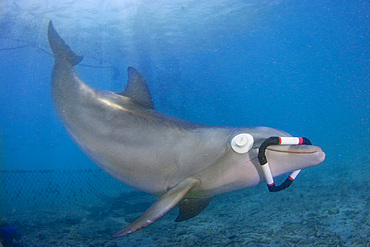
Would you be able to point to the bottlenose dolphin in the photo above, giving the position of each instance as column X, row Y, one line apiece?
column 181, row 161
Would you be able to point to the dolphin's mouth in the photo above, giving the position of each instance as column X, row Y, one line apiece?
column 287, row 154
column 306, row 155
column 295, row 149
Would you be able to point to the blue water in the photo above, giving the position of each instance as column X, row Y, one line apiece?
column 299, row 66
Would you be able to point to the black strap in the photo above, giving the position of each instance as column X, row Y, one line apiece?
column 274, row 140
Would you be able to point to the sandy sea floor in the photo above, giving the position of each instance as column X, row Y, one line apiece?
column 312, row 212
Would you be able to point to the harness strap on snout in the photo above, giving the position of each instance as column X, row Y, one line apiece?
column 265, row 165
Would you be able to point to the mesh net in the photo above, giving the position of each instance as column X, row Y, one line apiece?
column 27, row 191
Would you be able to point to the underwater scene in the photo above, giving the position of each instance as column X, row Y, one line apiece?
column 184, row 123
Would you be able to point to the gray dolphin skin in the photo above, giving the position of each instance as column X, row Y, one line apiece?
column 183, row 162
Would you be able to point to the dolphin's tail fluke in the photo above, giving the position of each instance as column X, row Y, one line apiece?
column 61, row 50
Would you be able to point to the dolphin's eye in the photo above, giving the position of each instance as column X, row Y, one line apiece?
column 242, row 143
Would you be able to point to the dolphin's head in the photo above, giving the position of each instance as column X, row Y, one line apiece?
column 282, row 159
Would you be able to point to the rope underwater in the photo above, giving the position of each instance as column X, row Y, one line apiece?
column 114, row 69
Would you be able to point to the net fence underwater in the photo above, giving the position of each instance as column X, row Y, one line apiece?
column 23, row 192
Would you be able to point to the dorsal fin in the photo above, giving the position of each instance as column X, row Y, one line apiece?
column 137, row 89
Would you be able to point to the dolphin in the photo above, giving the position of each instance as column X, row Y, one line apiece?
column 183, row 162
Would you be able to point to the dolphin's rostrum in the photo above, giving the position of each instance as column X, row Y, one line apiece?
column 183, row 162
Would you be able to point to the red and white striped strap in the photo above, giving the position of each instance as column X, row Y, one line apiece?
column 290, row 140
column 265, row 166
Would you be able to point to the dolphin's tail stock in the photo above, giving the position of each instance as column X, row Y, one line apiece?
column 61, row 50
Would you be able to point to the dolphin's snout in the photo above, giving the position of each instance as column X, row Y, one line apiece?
column 315, row 154
column 320, row 156
column 295, row 149
column 284, row 159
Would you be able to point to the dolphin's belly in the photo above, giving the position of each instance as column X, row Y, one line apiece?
column 128, row 158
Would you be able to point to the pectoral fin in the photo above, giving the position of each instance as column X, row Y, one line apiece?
column 160, row 207
column 191, row 207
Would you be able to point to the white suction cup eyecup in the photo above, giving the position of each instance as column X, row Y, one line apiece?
column 242, row 143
